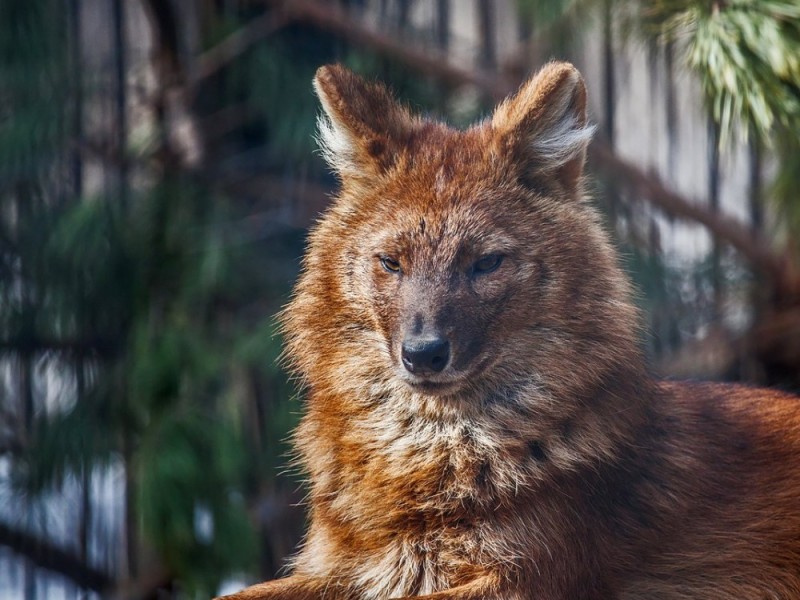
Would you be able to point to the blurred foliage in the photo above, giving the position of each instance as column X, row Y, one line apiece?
column 544, row 14
column 785, row 190
column 160, row 301
column 159, row 285
column 559, row 26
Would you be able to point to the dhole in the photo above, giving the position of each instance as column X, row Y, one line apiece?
column 480, row 423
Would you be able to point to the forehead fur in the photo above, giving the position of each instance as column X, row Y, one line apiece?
column 449, row 194
column 440, row 171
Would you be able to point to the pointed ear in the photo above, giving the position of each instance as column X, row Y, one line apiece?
column 544, row 126
column 362, row 126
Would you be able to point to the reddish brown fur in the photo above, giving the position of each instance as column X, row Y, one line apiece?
column 542, row 462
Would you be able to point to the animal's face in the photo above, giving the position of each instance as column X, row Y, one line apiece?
column 443, row 283
column 450, row 264
column 456, row 260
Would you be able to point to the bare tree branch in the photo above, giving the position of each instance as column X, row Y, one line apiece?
column 753, row 247
column 155, row 583
column 10, row 449
column 48, row 556
column 233, row 46
column 330, row 17
column 28, row 344
column 45, row 555
column 757, row 250
column 180, row 142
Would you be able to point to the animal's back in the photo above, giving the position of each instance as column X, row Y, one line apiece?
column 726, row 490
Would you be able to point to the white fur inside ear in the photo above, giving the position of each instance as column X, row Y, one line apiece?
column 560, row 142
column 336, row 145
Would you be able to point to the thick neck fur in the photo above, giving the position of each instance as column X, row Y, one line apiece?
column 380, row 456
column 387, row 464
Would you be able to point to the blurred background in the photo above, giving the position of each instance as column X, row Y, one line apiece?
column 158, row 174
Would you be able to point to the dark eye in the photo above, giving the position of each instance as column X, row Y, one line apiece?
column 487, row 264
column 390, row 264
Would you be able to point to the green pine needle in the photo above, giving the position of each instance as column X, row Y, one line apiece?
column 746, row 54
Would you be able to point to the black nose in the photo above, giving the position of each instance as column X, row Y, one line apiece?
column 422, row 356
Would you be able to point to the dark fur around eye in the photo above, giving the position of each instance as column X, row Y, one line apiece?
column 390, row 265
column 487, row 264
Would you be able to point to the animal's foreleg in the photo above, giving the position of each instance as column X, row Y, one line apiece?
column 488, row 587
column 295, row 587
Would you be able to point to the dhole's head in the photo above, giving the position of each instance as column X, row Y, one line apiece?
column 457, row 263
